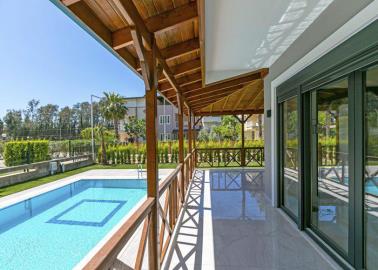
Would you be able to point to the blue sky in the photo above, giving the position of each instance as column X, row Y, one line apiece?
column 46, row 56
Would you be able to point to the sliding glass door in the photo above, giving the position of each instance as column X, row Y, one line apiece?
column 289, row 151
column 371, row 168
column 330, row 180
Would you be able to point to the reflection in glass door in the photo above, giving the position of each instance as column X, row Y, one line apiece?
column 371, row 168
column 290, row 156
column 330, row 181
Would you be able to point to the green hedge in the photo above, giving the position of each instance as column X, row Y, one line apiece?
column 24, row 152
column 136, row 153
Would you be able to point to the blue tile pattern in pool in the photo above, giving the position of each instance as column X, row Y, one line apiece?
column 57, row 229
column 76, row 214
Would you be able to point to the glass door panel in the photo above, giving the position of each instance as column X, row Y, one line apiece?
column 290, row 155
column 330, row 181
column 371, row 168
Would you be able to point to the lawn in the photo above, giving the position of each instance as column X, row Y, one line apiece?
column 40, row 181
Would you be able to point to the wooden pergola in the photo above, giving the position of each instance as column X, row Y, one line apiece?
column 163, row 42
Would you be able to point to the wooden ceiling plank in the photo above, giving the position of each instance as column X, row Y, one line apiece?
column 157, row 24
column 254, row 97
column 225, row 102
column 242, row 94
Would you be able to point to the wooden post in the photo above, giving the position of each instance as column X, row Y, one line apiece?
column 190, row 143
column 181, row 146
column 242, row 137
column 152, row 160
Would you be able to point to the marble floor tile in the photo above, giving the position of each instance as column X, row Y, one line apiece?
column 227, row 223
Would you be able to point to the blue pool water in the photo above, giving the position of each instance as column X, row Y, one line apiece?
column 370, row 186
column 57, row 229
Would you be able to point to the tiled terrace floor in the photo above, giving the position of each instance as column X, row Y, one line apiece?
column 229, row 224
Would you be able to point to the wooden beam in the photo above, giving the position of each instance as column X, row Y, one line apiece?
column 157, row 24
column 88, row 17
column 69, row 2
column 242, row 139
column 172, row 18
column 217, row 113
column 181, row 149
column 191, row 87
column 180, row 49
column 216, row 95
column 201, row 22
column 198, row 94
column 189, row 79
column 168, row 74
column 131, row 14
column 128, row 10
column 238, row 80
column 183, row 68
column 186, row 67
column 138, row 44
column 190, row 141
column 152, row 161
column 185, row 80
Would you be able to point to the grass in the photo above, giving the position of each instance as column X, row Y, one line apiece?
column 40, row 181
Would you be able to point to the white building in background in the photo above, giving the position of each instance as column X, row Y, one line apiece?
column 254, row 127
column 167, row 118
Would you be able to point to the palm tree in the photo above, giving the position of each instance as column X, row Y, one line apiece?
column 113, row 109
column 101, row 130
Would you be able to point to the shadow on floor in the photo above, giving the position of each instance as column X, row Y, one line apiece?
column 227, row 223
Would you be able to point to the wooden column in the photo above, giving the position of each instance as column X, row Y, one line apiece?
column 181, row 146
column 190, row 143
column 242, row 137
column 152, row 160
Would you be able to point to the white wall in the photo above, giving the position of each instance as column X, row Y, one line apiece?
column 332, row 27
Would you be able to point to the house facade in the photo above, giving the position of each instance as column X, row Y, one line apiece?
column 254, row 127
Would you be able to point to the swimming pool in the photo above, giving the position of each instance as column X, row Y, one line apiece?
column 57, row 229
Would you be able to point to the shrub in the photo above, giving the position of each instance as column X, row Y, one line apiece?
column 24, row 152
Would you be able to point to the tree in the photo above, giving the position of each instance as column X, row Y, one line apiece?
column 136, row 128
column 1, row 127
column 30, row 117
column 13, row 122
column 48, row 117
column 229, row 129
column 113, row 108
column 86, row 134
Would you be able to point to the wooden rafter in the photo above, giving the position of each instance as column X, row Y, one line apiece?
column 185, row 80
column 180, row 49
column 69, row 2
column 186, row 67
column 214, row 113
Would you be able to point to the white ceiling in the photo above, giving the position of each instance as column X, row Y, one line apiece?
column 244, row 35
